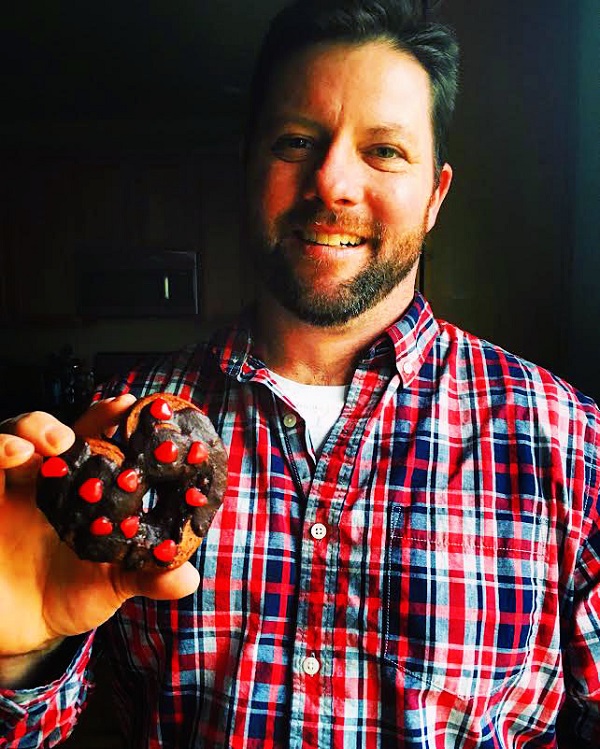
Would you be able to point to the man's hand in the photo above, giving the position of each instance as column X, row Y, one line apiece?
column 46, row 592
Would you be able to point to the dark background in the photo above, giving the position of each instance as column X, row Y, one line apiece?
column 70, row 59
column 120, row 135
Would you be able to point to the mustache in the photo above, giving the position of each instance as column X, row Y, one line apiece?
column 343, row 222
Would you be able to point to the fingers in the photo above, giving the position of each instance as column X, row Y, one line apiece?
column 103, row 417
column 19, row 462
column 14, row 454
column 31, row 436
column 25, row 439
column 45, row 433
column 42, row 433
column 14, row 451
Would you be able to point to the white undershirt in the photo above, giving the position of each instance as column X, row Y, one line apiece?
column 319, row 405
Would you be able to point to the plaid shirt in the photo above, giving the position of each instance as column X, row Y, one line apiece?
column 429, row 581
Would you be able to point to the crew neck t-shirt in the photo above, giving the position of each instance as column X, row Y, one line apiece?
column 319, row 405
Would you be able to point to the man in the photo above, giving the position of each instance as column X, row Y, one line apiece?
column 412, row 563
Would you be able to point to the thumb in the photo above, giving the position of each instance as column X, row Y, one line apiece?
column 103, row 416
column 168, row 585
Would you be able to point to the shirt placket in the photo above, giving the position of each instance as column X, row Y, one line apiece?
column 312, row 698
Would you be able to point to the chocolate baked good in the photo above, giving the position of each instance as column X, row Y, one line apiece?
column 148, row 505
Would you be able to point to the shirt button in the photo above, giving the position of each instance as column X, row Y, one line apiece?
column 290, row 420
column 311, row 665
column 407, row 367
column 318, row 531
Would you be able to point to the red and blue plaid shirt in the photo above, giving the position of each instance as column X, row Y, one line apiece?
column 429, row 581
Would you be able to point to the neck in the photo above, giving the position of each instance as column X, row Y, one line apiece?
column 322, row 356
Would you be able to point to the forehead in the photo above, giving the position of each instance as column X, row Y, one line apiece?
column 365, row 84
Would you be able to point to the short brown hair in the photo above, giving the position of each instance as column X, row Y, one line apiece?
column 406, row 24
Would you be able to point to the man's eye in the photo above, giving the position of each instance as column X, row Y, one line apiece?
column 292, row 147
column 386, row 152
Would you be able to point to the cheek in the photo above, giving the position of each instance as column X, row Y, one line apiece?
column 399, row 207
column 276, row 189
column 270, row 194
column 392, row 209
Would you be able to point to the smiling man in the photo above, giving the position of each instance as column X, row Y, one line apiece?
column 408, row 553
column 343, row 184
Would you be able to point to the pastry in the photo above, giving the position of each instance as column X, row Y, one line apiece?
column 147, row 504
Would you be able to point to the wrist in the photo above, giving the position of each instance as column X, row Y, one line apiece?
column 37, row 667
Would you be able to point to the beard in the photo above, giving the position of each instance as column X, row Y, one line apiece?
column 393, row 258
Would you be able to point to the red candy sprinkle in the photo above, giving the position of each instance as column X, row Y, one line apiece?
column 161, row 410
column 165, row 551
column 101, row 527
column 129, row 526
column 195, row 498
column 54, row 468
column 128, row 480
column 91, row 490
column 166, row 452
column 198, row 453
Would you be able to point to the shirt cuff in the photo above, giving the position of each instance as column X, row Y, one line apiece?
column 48, row 713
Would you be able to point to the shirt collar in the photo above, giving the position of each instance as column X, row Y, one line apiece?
column 232, row 346
column 411, row 336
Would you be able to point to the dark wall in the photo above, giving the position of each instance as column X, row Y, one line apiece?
column 500, row 260
column 583, row 340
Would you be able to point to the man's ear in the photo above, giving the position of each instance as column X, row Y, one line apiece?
column 438, row 195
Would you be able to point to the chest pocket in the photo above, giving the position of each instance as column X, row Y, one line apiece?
column 462, row 596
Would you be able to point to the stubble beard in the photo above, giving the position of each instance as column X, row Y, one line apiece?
column 394, row 258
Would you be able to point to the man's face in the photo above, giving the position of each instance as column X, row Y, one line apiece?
column 341, row 179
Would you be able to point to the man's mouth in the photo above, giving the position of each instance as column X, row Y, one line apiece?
column 331, row 240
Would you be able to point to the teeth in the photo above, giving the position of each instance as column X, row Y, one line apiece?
column 332, row 240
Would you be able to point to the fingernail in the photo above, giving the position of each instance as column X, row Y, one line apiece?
column 13, row 447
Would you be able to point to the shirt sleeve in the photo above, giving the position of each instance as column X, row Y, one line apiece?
column 45, row 716
column 582, row 654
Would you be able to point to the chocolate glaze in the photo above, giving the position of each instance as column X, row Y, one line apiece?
column 170, row 516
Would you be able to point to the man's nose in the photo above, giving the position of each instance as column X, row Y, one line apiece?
column 338, row 177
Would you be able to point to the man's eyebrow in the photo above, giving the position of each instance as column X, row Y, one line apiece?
column 284, row 118
column 391, row 130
